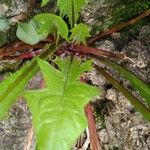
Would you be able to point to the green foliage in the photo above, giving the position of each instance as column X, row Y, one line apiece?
column 27, row 33
column 58, row 110
column 120, row 11
column 49, row 23
column 144, row 110
column 127, row 10
column 79, row 33
column 138, row 84
column 40, row 26
column 71, row 9
column 12, row 88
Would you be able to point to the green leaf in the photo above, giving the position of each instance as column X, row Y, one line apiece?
column 12, row 87
column 145, row 111
column 71, row 8
column 49, row 23
column 27, row 33
column 79, row 33
column 44, row 2
column 58, row 110
column 138, row 84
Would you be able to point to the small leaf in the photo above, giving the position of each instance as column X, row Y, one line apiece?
column 44, row 2
column 49, row 23
column 71, row 8
column 79, row 33
column 27, row 33
column 58, row 110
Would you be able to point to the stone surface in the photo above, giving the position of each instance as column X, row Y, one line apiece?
column 120, row 126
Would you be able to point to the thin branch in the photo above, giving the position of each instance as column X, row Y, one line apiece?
column 93, row 51
column 94, row 140
column 117, row 28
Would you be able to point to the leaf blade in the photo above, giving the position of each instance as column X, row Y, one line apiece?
column 61, row 105
column 136, row 82
column 79, row 33
column 27, row 33
column 145, row 111
column 14, row 86
column 71, row 8
column 48, row 22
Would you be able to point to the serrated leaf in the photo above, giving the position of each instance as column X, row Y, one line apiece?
column 58, row 110
column 44, row 2
column 50, row 23
column 27, row 33
column 79, row 33
column 71, row 8
column 12, row 87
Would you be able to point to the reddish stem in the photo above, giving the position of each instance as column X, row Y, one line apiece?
column 117, row 28
column 94, row 140
column 94, row 51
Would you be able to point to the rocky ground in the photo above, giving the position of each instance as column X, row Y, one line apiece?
column 120, row 126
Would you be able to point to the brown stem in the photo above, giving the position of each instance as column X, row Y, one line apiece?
column 94, row 51
column 117, row 28
column 94, row 140
column 20, row 46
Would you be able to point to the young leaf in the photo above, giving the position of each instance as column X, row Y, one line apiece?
column 79, row 33
column 27, row 33
column 71, row 8
column 49, row 23
column 58, row 110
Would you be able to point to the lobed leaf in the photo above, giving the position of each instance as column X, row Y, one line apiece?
column 49, row 23
column 13, row 86
column 71, row 9
column 58, row 110
column 79, row 33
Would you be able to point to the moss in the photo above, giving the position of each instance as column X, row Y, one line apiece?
column 121, row 11
column 9, row 36
column 7, row 2
column 125, row 11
